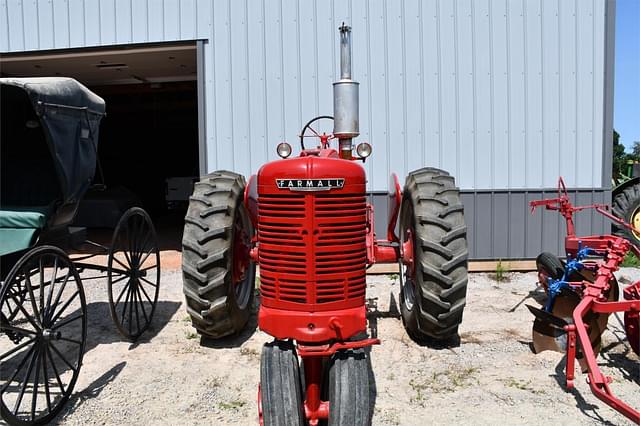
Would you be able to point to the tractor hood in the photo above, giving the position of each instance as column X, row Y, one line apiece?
column 312, row 173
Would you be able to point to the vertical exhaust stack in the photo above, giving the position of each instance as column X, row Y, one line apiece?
column 345, row 98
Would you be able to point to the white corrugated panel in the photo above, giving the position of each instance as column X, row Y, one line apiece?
column 505, row 94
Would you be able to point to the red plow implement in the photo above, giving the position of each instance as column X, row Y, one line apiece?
column 582, row 293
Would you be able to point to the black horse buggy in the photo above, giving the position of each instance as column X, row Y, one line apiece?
column 48, row 147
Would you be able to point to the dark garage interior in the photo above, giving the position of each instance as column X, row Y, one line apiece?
column 149, row 136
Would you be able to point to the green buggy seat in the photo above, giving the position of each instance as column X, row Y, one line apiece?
column 20, row 226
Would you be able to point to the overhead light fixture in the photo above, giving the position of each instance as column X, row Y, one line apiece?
column 107, row 66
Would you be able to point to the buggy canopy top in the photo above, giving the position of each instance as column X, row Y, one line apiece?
column 69, row 115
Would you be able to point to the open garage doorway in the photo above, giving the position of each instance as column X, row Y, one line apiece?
column 151, row 140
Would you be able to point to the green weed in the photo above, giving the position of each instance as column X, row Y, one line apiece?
column 232, row 405
column 502, row 271
column 522, row 385
column 443, row 382
column 631, row 261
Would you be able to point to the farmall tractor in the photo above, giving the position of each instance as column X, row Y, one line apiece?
column 306, row 222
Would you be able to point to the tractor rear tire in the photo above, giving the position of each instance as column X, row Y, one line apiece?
column 349, row 389
column 280, row 388
column 215, row 220
column 626, row 205
column 433, row 295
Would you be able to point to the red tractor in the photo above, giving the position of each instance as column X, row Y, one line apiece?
column 307, row 223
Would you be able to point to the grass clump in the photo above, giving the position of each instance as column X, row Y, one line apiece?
column 524, row 385
column 232, row 405
column 443, row 382
column 631, row 261
column 502, row 272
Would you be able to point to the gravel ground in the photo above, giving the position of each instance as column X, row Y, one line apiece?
column 173, row 377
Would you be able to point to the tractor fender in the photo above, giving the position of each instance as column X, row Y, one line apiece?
column 620, row 188
column 393, row 206
column 251, row 199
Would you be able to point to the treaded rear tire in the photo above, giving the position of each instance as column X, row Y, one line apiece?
column 349, row 389
column 215, row 308
column 624, row 205
column 280, row 388
column 432, row 302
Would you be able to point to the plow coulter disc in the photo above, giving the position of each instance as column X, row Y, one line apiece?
column 632, row 319
column 548, row 333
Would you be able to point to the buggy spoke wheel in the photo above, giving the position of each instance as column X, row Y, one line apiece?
column 11, row 304
column 46, row 333
column 135, row 249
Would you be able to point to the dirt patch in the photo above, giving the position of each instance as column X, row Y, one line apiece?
column 174, row 377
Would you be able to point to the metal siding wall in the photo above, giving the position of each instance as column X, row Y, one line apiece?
column 500, row 224
column 607, row 128
column 505, row 94
column 4, row 26
column 123, row 21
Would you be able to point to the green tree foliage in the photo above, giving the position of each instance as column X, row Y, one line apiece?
column 620, row 157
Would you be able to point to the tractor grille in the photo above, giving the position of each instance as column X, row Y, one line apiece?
column 312, row 249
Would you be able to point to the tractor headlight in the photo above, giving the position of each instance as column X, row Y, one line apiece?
column 283, row 149
column 363, row 149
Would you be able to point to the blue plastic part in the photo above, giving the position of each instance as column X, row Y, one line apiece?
column 555, row 287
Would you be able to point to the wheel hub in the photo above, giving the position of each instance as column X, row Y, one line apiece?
column 635, row 221
column 49, row 335
column 241, row 251
column 407, row 253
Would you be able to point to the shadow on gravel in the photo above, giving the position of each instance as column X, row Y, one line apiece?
column 621, row 361
column 102, row 330
column 373, row 314
column 373, row 388
column 536, row 294
column 236, row 340
column 589, row 410
column 92, row 391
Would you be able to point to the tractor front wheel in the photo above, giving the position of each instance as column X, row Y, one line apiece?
column 349, row 389
column 280, row 387
column 218, row 274
column 434, row 237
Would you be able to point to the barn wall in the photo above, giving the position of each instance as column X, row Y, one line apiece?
column 504, row 94
column 500, row 224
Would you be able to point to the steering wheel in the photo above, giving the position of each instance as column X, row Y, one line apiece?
column 323, row 137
